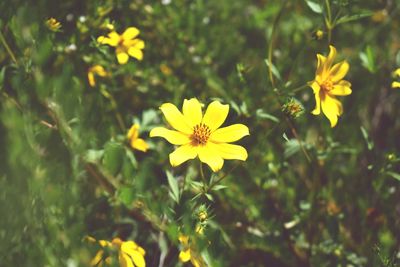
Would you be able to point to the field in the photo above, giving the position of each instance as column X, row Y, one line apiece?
column 200, row 133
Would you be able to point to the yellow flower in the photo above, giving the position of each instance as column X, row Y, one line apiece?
column 125, row 44
column 396, row 73
column 188, row 254
column 53, row 24
column 96, row 70
column 328, row 83
column 134, row 140
column 199, row 135
column 129, row 253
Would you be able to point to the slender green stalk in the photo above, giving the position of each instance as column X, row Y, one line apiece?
column 7, row 47
column 328, row 21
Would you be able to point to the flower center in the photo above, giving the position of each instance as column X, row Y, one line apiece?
column 200, row 135
column 327, row 85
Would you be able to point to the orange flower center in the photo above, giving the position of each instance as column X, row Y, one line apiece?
column 200, row 135
column 327, row 85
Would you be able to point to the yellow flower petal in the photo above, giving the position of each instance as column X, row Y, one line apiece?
column 332, row 109
column 135, row 43
column 320, row 65
column 175, row 118
column 130, row 248
column 114, row 37
column 329, row 60
column 338, row 71
column 316, row 89
column 174, row 137
column 97, row 258
column 209, row 155
column 229, row 151
column 182, row 154
column 397, row 72
column 215, row 115
column 184, row 239
column 395, row 84
column 99, row 70
column 130, row 33
column 136, row 53
column 91, row 80
column 125, row 260
column 229, row 134
column 122, row 57
column 139, row 144
column 192, row 111
column 184, row 255
column 342, row 88
column 133, row 132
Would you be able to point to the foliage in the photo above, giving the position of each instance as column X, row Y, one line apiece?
column 307, row 195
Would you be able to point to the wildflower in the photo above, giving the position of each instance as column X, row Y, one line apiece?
column 95, row 70
column 188, row 254
column 129, row 253
column 134, row 140
column 199, row 135
column 327, row 84
column 53, row 25
column 395, row 84
column 125, row 44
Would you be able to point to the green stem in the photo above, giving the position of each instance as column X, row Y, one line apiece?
column 304, row 86
column 202, row 175
column 221, row 178
column 10, row 52
column 328, row 21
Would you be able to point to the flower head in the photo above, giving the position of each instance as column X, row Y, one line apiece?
column 396, row 84
column 125, row 44
column 201, row 136
column 134, row 140
column 329, row 83
column 53, row 25
column 129, row 253
column 96, row 70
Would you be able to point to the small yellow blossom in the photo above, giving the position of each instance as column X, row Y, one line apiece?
column 125, row 44
column 396, row 73
column 134, row 140
column 188, row 254
column 129, row 253
column 201, row 136
column 53, row 24
column 96, row 70
column 319, row 34
column 327, row 84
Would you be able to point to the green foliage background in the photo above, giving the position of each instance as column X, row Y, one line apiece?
column 66, row 170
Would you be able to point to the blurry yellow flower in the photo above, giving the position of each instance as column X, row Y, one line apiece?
column 129, row 253
column 188, row 254
column 125, row 44
column 53, row 24
column 165, row 69
column 380, row 15
column 96, row 70
column 199, row 135
column 328, row 83
column 396, row 73
column 134, row 140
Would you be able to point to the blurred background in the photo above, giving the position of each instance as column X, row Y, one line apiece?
column 308, row 195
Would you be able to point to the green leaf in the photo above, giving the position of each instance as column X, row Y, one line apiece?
column 261, row 114
column 368, row 59
column 394, row 175
column 347, row 18
column 2, row 73
column 274, row 70
column 370, row 144
column 173, row 184
column 316, row 7
column 113, row 157
column 126, row 195
column 219, row 187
